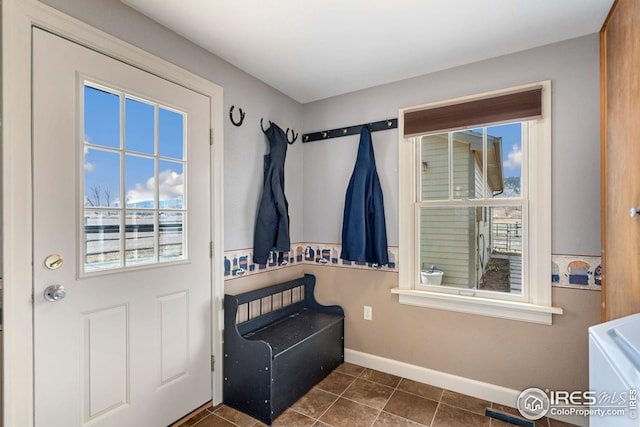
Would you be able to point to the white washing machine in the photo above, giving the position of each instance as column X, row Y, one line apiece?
column 614, row 372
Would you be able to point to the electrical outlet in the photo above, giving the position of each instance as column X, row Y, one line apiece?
column 368, row 312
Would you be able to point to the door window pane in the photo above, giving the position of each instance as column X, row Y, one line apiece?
column 140, row 182
column 171, row 185
column 140, row 237
column 101, row 240
column 171, row 134
column 101, row 178
column 101, row 117
column 171, row 236
column 139, row 126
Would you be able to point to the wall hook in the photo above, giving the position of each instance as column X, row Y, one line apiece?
column 350, row 130
column 262, row 127
column 238, row 123
column 294, row 136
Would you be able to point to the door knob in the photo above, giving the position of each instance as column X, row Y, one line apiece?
column 634, row 212
column 54, row 293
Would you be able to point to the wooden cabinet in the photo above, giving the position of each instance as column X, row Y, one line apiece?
column 620, row 104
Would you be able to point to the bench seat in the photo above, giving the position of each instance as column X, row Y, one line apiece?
column 291, row 331
column 278, row 343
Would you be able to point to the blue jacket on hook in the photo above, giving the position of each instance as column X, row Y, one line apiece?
column 364, row 232
column 272, row 222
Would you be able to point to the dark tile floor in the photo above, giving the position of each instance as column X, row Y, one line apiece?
column 353, row 396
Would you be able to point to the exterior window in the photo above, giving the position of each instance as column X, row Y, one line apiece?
column 470, row 200
column 133, row 181
column 470, row 206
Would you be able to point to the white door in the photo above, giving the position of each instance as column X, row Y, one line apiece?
column 121, row 188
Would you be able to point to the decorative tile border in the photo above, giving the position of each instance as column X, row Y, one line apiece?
column 239, row 262
column 567, row 271
column 576, row 271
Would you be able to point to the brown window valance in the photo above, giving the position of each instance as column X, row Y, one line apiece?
column 521, row 105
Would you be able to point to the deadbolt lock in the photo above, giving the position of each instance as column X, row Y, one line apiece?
column 53, row 262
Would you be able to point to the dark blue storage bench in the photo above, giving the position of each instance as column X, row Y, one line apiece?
column 278, row 343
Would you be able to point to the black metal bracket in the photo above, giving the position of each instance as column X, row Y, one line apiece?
column 294, row 135
column 262, row 127
column 242, row 113
column 350, row 130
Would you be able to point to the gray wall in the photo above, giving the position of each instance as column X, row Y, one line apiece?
column 317, row 173
column 573, row 67
column 245, row 146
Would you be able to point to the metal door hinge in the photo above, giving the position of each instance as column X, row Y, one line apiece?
column 211, row 136
column 213, row 363
column 211, row 249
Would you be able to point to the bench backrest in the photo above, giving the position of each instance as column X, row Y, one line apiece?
column 261, row 307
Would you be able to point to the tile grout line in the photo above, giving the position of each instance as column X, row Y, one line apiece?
column 385, row 403
column 432, row 423
column 395, row 389
column 339, row 395
column 298, row 412
column 360, row 375
column 433, row 419
column 388, row 398
column 230, row 421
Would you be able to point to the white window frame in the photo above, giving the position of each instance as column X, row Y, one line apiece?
column 535, row 304
column 122, row 208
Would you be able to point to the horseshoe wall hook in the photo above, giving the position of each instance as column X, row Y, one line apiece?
column 294, row 136
column 262, row 127
column 238, row 123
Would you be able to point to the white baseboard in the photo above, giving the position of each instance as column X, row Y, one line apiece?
column 481, row 390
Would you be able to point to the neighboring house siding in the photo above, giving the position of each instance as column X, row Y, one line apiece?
column 445, row 243
column 462, row 171
column 478, row 179
column 446, row 239
column 435, row 168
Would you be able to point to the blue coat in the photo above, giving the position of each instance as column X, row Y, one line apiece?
column 272, row 222
column 364, row 232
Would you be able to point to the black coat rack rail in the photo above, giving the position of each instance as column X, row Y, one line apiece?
column 350, row 130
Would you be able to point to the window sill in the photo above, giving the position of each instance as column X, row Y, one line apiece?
column 482, row 306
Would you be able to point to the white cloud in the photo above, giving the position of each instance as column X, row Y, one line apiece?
column 88, row 166
column 514, row 158
column 171, row 188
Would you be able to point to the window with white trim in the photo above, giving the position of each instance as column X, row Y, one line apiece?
column 475, row 204
column 133, row 181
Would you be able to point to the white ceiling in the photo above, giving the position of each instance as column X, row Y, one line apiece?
column 314, row 49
